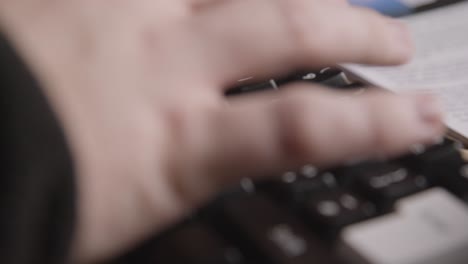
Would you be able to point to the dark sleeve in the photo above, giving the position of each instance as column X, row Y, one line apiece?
column 37, row 191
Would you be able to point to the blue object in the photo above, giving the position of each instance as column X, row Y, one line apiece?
column 387, row 7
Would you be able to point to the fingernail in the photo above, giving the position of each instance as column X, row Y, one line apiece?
column 402, row 35
column 429, row 108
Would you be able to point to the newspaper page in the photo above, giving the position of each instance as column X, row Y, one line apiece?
column 440, row 65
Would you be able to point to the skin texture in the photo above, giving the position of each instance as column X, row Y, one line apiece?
column 138, row 86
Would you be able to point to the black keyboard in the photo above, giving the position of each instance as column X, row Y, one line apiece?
column 408, row 210
column 328, row 76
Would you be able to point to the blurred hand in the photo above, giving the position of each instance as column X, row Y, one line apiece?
column 139, row 88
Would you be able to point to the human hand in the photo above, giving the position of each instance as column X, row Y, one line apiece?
column 139, row 88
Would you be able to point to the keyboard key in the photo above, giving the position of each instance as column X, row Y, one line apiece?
column 296, row 187
column 196, row 243
column 252, row 87
column 331, row 211
column 443, row 165
column 427, row 228
column 457, row 181
column 464, row 153
column 384, row 182
column 436, row 160
column 275, row 233
column 329, row 76
column 334, row 78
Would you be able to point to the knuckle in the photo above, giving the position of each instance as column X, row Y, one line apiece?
column 299, row 18
column 300, row 131
column 375, row 23
column 381, row 36
column 369, row 16
column 184, row 126
column 388, row 120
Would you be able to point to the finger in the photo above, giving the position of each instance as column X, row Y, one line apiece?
column 264, row 37
column 260, row 137
column 200, row 4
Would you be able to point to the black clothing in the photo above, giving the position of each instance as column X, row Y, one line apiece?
column 37, row 191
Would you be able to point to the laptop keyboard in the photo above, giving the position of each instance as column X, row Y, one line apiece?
column 329, row 76
column 408, row 210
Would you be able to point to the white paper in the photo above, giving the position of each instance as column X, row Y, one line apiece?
column 440, row 65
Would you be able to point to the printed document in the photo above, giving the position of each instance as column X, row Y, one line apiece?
column 440, row 65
